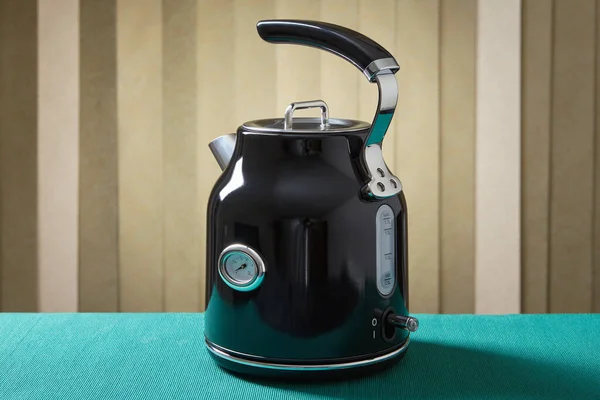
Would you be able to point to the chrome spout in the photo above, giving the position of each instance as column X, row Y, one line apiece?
column 222, row 149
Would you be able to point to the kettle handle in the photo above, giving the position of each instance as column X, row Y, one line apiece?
column 376, row 63
column 364, row 53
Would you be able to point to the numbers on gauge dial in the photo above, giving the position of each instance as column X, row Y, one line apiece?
column 240, row 267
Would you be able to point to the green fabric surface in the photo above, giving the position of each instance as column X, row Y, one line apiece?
column 162, row 356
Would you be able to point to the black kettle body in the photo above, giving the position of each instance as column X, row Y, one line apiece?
column 306, row 262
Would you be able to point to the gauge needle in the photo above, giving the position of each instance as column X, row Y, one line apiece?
column 241, row 267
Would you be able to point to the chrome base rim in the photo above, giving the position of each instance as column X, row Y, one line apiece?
column 224, row 354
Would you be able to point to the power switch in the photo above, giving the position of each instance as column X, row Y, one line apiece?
column 390, row 321
column 411, row 324
column 388, row 331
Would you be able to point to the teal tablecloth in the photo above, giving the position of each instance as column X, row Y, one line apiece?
column 162, row 356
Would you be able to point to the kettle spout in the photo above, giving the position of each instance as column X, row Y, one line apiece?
column 222, row 149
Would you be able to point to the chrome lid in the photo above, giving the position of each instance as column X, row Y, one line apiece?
column 289, row 124
column 305, row 125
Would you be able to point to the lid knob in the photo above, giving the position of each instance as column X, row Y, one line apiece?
column 301, row 105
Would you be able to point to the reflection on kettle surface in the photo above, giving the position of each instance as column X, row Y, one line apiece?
column 307, row 296
column 236, row 181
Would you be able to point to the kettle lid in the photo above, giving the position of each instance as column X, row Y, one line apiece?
column 289, row 124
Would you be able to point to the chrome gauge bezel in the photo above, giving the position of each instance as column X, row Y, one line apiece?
column 258, row 262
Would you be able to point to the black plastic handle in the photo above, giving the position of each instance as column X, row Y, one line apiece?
column 355, row 47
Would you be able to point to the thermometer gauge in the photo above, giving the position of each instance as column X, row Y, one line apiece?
column 241, row 267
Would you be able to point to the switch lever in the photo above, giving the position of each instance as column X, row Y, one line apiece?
column 411, row 324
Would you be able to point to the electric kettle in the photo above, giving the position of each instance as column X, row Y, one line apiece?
column 306, row 257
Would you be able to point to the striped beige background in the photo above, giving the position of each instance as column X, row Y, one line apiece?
column 107, row 107
column 561, row 156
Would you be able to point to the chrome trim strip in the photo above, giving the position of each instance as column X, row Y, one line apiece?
column 300, row 367
column 383, row 64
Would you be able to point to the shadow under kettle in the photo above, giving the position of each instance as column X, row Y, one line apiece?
column 440, row 371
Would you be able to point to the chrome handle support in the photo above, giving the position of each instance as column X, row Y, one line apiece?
column 300, row 105
column 381, row 182
column 378, row 66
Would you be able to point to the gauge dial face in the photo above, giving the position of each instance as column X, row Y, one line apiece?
column 240, row 268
